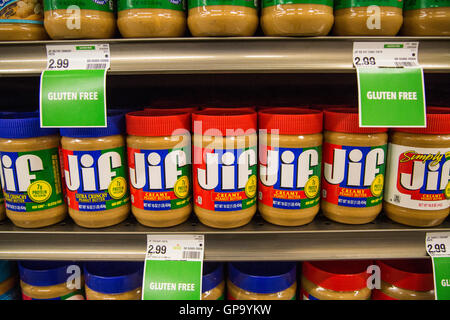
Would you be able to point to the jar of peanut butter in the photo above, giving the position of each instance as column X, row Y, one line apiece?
column 22, row 20
column 426, row 18
column 218, row 18
column 30, row 171
column 95, row 171
column 405, row 280
column 335, row 280
column 213, row 283
column 417, row 189
column 367, row 17
column 9, row 281
column 262, row 281
column 51, row 280
column 82, row 19
column 354, row 161
column 297, row 17
column 159, row 162
column 224, row 167
column 290, row 162
column 151, row 19
column 113, row 280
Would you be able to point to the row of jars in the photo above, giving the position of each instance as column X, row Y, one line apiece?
column 308, row 160
column 91, row 19
column 319, row 280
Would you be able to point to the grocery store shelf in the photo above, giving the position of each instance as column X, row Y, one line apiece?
column 321, row 239
column 223, row 55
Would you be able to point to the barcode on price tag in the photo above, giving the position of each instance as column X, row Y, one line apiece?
column 175, row 247
column 438, row 244
column 385, row 54
column 78, row 57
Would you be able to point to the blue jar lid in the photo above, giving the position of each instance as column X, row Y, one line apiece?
column 7, row 269
column 23, row 125
column 115, row 125
column 212, row 275
column 45, row 273
column 113, row 277
column 262, row 277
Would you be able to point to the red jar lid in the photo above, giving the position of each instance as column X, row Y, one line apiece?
column 181, row 109
column 245, row 109
column 224, row 122
column 438, row 122
column 346, row 120
column 291, row 120
column 350, row 275
column 152, row 123
column 414, row 275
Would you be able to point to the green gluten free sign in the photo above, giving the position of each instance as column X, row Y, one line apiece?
column 391, row 97
column 73, row 98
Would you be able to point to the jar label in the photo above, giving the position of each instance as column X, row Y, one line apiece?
column 95, row 180
column 179, row 5
column 269, row 3
column 379, row 295
column 353, row 176
column 423, row 4
column 100, row 5
column 13, row 11
column 225, row 179
column 75, row 295
column 289, row 178
column 342, row 4
column 31, row 180
column 418, row 178
column 239, row 3
column 160, row 179
column 306, row 296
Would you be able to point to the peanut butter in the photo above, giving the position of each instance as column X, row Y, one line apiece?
column 426, row 18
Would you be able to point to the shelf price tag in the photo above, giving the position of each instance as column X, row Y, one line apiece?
column 438, row 247
column 73, row 88
column 173, row 267
column 390, row 84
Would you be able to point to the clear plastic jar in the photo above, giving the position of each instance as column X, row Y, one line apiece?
column 213, row 283
column 51, row 280
column 9, row 282
column 405, row 280
column 262, row 281
column 159, row 161
column 335, row 280
column 417, row 183
column 367, row 17
column 113, row 280
column 212, row 18
column 83, row 19
column 224, row 168
column 95, row 171
column 290, row 161
column 22, row 20
column 31, row 176
column 297, row 17
column 354, row 161
column 426, row 18
column 151, row 19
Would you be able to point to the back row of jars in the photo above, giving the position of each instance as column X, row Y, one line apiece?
column 87, row 19
column 301, row 170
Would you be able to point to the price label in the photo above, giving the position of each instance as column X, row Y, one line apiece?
column 175, row 247
column 173, row 267
column 437, row 245
column 385, row 54
column 78, row 57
